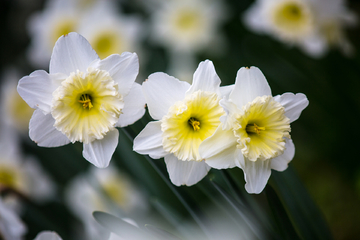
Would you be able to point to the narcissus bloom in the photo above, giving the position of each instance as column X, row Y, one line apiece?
column 106, row 190
column 186, row 115
column 187, row 25
column 13, row 109
column 11, row 226
column 312, row 25
column 254, row 134
column 58, row 18
column 83, row 98
column 108, row 31
column 21, row 173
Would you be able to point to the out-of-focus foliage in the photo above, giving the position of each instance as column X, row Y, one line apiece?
column 322, row 182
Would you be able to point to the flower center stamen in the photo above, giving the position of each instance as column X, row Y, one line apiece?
column 194, row 123
column 81, row 92
column 261, row 128
column 7, row 178
column 181, row 125
column 85, row 99
column 253, row 128
column 292, row 12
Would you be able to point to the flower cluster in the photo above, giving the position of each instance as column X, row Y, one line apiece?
column 196, row 126
column 108, row 30
column 205, row 125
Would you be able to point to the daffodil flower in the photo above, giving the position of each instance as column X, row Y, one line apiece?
column 108, row 31
column 186, row 115
column 83, row 98
column 59, row 17
column 312, row 25
column 187, row 25
column 254, row 134
column 11, row 226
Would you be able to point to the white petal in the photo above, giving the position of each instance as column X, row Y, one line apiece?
column 162, row 91
column 226, row 90
column 205, row 79
column 43, row 132
column 37, row 88
column 315, row 45
column 294, row 104
column 185, row 172
column 71, row 52
column 216, row 149
column 123, row 69
column 230, row 109
column 250, row 83
column 11, row 225
column 280, row 163
column 149, row 141
column 134, row 107
column 99, row 152
column 40, row 186
column 256, row 174
column 224, row 159
column 253, row 18
column 47, row 235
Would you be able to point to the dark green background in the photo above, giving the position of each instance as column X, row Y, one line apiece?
column 326, row 135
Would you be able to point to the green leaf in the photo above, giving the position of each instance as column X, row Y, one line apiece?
column 257, row 228
column 119, row 226
column 282, row 221
column 160, row 233
column 302, row 211
column 175, row 190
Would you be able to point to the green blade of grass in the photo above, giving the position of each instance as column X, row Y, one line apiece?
column 302, row 211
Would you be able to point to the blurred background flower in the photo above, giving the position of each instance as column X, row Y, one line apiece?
column 312, row 25
column 105, row 190
column 11, row 226
column 316, row 53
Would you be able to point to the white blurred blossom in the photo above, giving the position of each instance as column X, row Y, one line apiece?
column 187, row 25
column 11, row 226
column 59, row 17
column 106, row 190
column 109, row 31
column 106, row 28
column 14, row 111
column 47, row 235
column 20, row 173
column 312, row 25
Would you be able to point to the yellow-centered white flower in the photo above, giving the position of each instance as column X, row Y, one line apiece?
column 59, row 17
column 21, row 173
column 14, row 111
column 291, row 19
column 254, row 134
column 108, row 31
column 106, row 190
column 83, row 98
column 11, row 225
column 187, row 115
column 187, row 25
column 312, row 25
